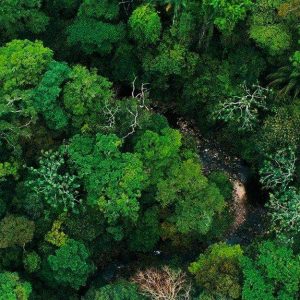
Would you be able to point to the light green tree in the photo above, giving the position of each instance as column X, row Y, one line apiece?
column 218, row 270
column 12, row 288
column 85, row 97
column 145, row 25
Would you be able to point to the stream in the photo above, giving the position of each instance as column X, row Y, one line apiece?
column 248, row 199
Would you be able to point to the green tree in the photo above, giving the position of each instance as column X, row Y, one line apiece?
column 280, row 131
column 121, row 290
column 85, row 96
column 145, row 25
column 93, row 31
column 222, row 181
column 226, row 13
column 287, row 78
column 218, row 270
column 22, row 64
column 147, row 232
column 113, row 180
column 195, row 200
column 278, row 169
column 31, row 261
column 22, row 15
column 70, row 264
column 12, row 288
column 8, row 169
column 95, row 36
column 100, row 9
column 284, row 210
column 53, row 184
column 159, row 151
column 269, row 32
column 274, row 274
column 15, row 230
column 46, row 95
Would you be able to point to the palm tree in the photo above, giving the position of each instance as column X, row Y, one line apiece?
column 287, row 78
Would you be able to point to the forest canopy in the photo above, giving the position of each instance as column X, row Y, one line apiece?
column 149, row 149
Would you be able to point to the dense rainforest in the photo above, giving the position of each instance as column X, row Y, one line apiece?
column 106, row 192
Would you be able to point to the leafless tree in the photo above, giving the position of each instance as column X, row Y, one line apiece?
column 163, row 284
column 279, row 169
column 140, row 96
column 243, row 109
column 110, row 112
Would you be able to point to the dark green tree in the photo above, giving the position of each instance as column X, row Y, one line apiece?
column 70, row 264
column 121, row 290
column 15, row 230
column 20, row 16
column 46, row 96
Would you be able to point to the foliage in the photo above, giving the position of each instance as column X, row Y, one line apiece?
column 222, row 181
column 159, row 151
column 218, row 270
column 280, row 131
column 286, row 78
column 56, row 236
column 12, row 288
column 147, row 232
column 106, row 9
column 145, row 25
column 19, row 16
column 226, row 14
column 278, row 170
column 267, row 29
column 84, row 97
column 7, row 169
column 274, row 274
column 54, row 185
column 121, row 290
column 46, row 95
column 113, row 180
column 70, row 264
column 95, row 36
column 243, row 110
column 31, row 262
column 15, row 230
column 92, row 172
column 195, row 200
column 22, row 63
column 284, row 212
